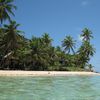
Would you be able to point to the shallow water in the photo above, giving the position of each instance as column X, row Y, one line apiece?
column 50, row 88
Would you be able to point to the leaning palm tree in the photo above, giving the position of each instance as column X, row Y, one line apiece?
column 69, row 44
column 12, row 37
column 11, row 42
column 6, row 8
column 86, row 34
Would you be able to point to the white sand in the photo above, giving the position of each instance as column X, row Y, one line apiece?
column 43, row 73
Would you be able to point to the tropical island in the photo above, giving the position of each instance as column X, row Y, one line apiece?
column 54, row 65
column 38, row 53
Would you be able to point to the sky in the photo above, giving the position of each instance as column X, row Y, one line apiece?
column 60, row 18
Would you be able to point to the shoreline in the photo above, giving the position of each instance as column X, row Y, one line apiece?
column 45, row 73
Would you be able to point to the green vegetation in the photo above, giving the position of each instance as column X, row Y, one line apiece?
column 19, row 53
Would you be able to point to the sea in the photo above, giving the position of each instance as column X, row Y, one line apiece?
column 50, row 88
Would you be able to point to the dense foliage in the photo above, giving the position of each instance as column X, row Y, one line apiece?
column 19, row 53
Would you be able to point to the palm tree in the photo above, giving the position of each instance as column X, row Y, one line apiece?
column 11, row 41
column 6, row 8
column 1, row 39
column 69, row 44
column 46, row 39
column 60, row 55
column 1, row 35
column 12, row 37
column 89, row 67
column 85, row 52
column 87, row 49
column 38, row 54
column 86, row 34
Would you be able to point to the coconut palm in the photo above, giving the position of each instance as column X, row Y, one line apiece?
column 11, row 40
column 6, row 8
column 87, row 49
column 90, row 66
column 1, row 39
column 86, row 34
column 60, row 55
column 12, row 36
column 46, row 39
column 38, row 53
column 85, row 52
column 1, row 35
column 69, row 44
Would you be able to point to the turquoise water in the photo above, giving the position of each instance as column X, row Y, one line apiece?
column 50, row 88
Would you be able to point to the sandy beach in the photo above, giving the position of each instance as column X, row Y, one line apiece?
column 43, row 73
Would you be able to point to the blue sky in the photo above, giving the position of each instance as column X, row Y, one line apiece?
column 60, row 18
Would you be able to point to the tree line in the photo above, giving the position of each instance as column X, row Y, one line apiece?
column 19, row 53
